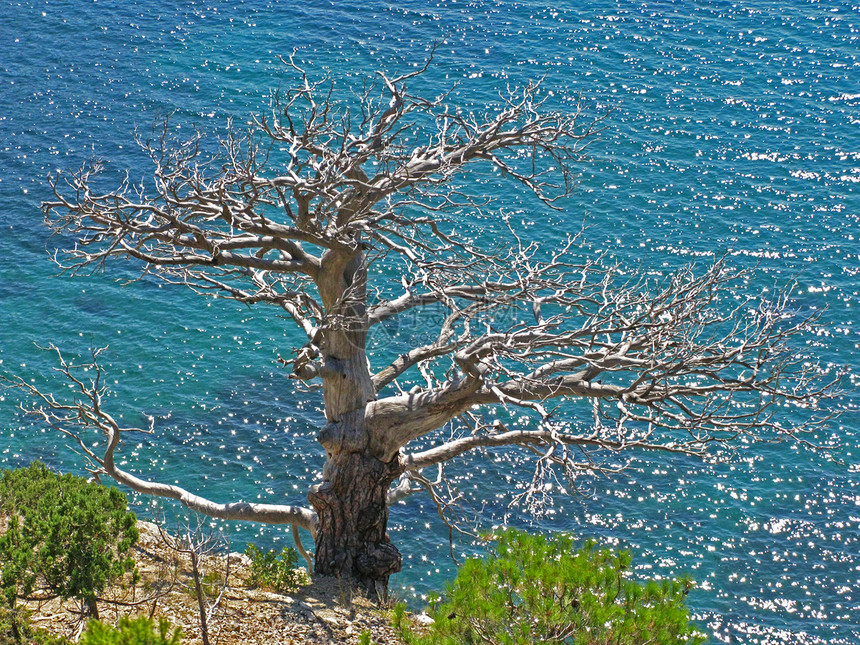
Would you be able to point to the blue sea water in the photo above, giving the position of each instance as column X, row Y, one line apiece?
column 733, row 128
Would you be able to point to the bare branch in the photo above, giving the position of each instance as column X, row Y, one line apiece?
column 451, row 449
column 85, row 411
column 666, row 364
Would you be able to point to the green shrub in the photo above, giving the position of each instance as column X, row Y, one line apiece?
column 398, row 616
column 65, row 536
column 137, row 631
column 537, row 590
column 275, row 571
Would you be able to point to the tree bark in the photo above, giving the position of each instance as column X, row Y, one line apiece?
column 351, row 538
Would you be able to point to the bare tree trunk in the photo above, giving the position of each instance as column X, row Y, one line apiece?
column 198, row 588
column 351, row 538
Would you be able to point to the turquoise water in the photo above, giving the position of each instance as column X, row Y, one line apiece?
column 733, row 128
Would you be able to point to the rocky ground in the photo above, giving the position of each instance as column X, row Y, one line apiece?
column 320, row 613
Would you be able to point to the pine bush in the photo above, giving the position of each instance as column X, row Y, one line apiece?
column 64, row 536
column 531, row 589
column 137, row 631
column 279, row 572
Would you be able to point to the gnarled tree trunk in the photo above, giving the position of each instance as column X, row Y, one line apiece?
column 351, row 537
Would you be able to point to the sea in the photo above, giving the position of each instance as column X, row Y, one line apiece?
column 732, row 128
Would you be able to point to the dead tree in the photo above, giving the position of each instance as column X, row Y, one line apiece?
column 343, row 211
column 198, row 543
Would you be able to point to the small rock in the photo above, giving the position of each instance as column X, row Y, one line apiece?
column 313, row 602
column 329, row 619
column 240, row 559
column 424, row 620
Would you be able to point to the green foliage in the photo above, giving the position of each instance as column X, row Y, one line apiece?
column 537, row 590
column 398, row 614
column 15, row 628
column 65, row 535
column 137, row 631
column 364, row 638
column 276, row 571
